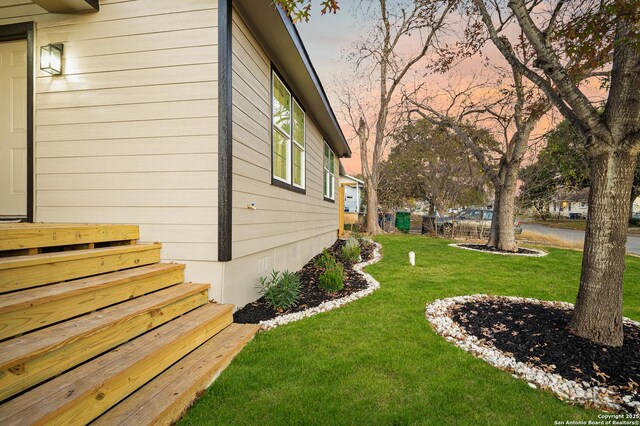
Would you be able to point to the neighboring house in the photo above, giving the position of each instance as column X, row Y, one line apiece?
column 201, row 120
column 353, row 188
column 570, row 203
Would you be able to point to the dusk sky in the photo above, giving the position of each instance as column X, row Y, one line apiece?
column 326, row 37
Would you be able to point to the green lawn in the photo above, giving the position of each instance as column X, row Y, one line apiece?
column 377, row 360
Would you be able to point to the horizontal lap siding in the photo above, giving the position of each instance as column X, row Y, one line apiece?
column 281, row 217
column 129, row 132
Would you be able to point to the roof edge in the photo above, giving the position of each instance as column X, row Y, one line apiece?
column 297, row 40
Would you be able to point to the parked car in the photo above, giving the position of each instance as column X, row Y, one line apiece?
column 636, row 215
column 475, row 222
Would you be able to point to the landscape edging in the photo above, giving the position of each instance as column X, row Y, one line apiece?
column 373, row 285
column 445, row 326
column 538, row 253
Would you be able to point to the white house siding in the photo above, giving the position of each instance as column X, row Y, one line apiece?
column 287, row 228
column 565, row 208
column 128, row 134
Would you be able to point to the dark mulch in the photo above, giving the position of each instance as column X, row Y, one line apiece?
column 536, row 334
column 483, row 247
column 310, row 294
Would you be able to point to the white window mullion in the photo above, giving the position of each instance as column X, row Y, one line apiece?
column 289, row 134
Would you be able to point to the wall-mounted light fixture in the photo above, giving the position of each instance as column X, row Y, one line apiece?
column 51, row 59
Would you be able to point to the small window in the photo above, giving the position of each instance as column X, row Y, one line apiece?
column 298, row 145
column 288, row 157
column 329, row 173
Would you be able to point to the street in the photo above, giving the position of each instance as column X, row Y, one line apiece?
column 571, row 235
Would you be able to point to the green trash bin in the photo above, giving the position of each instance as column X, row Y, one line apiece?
column 403, row 221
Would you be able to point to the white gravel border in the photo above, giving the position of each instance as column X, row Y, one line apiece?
column 438, row 314
column 332, row 304
column 538, row 253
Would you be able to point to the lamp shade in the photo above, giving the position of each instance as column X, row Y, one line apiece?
column 51, row 59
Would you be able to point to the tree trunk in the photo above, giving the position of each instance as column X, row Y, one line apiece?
column 634, row 195
column 502, row 233
column 598, row 310
column 431, row 221
column 494, row 235
column 372, row 208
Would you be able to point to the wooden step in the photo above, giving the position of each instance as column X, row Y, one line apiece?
column 22, row 272
column 163, row 400
column 82, row 394
column 33, row 235
column 27, row 310
column 28, row 360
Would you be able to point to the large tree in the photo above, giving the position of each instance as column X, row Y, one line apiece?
column 571, row 40
column 369, row 98
column 601, row 37
column 427, row 163
column 511, row 114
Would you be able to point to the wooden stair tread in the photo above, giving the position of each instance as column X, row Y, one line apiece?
column 164, row 399
column 44, row 258
column 82, row 394
column 23, row 348
column 30, row 235
column 36, row 296
column 30, row 359
column 20, row 272
column 33, row 308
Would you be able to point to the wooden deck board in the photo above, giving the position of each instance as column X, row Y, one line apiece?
column 30, row 309
column 163, row 400
column 33, row 235
column 23, row 272
column 82, row 394
column 28, row 360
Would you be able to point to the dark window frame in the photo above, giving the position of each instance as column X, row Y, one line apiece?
column 324, row 196
column 275, row 181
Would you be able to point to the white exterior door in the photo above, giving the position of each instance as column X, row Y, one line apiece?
column 13, row 128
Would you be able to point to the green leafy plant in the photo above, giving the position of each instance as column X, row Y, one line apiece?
column 280, row 289
column 332, row 279
column 351, row 251
column 325, row 260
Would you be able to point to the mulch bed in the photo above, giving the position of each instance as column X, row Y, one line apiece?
column 536, row 334
column 310, row 294
column 483, row 247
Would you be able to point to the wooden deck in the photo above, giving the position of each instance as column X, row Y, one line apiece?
column 93, row 328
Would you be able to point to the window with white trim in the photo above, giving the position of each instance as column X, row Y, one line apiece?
column 288, row 127
column 329, row 172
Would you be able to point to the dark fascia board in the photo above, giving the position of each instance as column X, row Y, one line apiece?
column 68, row 6
column 304, row 55
column 225, row 137
column 280, row 39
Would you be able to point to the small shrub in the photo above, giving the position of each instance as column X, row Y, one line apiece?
column 332, row 279
column 325, row 260
column 351, row 251
column 281, row 289
column 357, row 235
column 634, row 222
